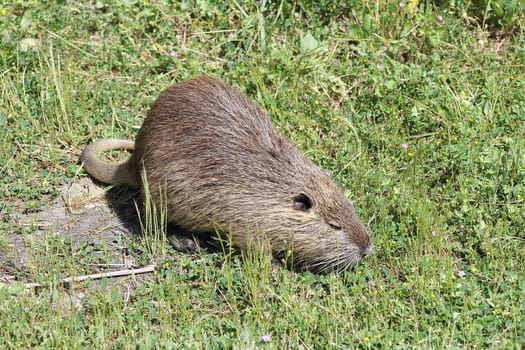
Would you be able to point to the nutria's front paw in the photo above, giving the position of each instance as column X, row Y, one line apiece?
column 183, row 243
column 188, row 243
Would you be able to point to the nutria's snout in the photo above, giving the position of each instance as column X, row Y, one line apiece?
column 367, row 250
column 362, row 240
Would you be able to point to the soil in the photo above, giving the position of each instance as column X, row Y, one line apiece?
column 85, row 212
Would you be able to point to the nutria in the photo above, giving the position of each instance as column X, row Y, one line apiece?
column 216, row 160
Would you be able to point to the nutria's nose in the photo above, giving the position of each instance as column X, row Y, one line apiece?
column 368, row 250
column 365, row 243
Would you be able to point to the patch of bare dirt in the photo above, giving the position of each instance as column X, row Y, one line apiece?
column 84, row 213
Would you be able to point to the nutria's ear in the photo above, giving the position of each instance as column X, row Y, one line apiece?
column 302, row 202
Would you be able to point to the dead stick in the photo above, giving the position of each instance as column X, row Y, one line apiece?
column 120, row 273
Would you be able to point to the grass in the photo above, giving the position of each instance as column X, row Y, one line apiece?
column 420, row 119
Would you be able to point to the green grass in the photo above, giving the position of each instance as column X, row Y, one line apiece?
column 349, row 84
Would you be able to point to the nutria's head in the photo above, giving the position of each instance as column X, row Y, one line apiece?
column 305, row 216
column 318, row 225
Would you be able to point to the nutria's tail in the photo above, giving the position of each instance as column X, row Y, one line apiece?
column 124, row 173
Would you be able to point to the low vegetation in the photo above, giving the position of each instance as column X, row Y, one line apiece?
column 418, row 111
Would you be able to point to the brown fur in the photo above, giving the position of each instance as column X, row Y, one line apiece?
column 219, row 160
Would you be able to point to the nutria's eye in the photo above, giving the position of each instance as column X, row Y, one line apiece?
column 334, row 225
column 302, row 202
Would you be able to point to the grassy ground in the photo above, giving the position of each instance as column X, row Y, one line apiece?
column 419, row 115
